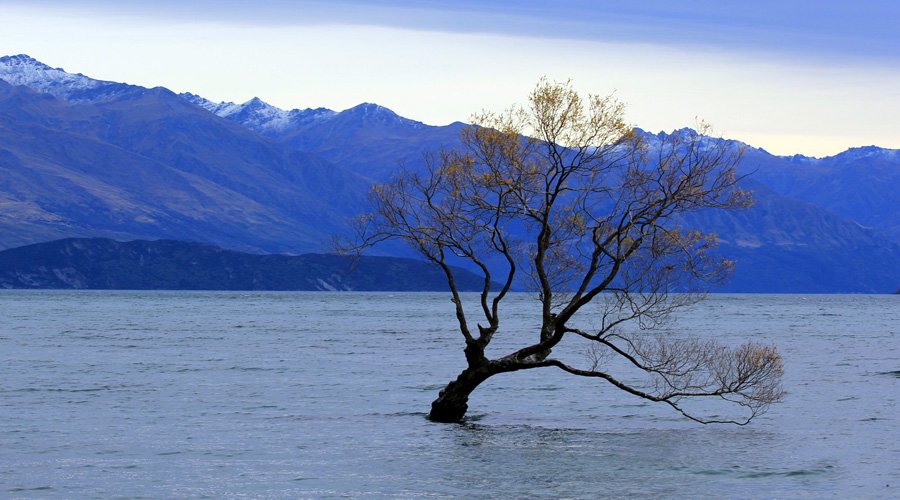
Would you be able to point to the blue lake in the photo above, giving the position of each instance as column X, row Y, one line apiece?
column 297, row 395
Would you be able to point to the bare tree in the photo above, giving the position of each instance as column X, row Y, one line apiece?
column 563, row 195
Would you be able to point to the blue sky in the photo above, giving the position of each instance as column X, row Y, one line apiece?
column 811, row 77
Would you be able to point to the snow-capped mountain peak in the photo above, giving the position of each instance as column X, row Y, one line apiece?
column 23, row 60
column 24, row 70
column 259, row 115
column 850, row 155
column 869, row 152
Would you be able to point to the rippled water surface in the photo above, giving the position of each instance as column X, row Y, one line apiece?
column 287, row 395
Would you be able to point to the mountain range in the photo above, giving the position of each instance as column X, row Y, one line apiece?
column 81, row 157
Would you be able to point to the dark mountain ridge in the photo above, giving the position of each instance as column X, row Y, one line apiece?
column 104, row 264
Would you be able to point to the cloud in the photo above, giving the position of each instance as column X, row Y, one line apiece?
column 809, row 30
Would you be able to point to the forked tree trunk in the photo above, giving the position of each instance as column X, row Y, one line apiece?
column 452, row 402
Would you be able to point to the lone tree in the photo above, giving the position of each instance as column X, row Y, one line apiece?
column 562, row 195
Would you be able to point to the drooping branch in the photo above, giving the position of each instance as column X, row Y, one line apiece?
column 746, row 376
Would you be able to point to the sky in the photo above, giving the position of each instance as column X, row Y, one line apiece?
column 808, row 77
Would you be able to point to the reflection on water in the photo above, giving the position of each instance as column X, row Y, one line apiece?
column 285, row 395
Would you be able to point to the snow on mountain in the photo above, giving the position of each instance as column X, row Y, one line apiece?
column 222, row 109
column 260, row 116
column 26, row 71
column 866, row 153
column 255, row 114
column 850, row 155
column 266, row 119
column 685, row 135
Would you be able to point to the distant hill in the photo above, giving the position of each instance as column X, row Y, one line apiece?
column 104, row 264
column 783, row 245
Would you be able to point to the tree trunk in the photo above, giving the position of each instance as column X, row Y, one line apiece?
column 452, row 402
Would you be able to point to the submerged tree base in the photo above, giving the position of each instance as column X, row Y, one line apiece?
column 452, row 402
column 446, row 413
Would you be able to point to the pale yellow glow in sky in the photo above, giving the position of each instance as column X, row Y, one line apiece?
column 440, row 77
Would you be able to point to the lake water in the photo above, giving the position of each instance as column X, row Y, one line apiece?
column 293, row 395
